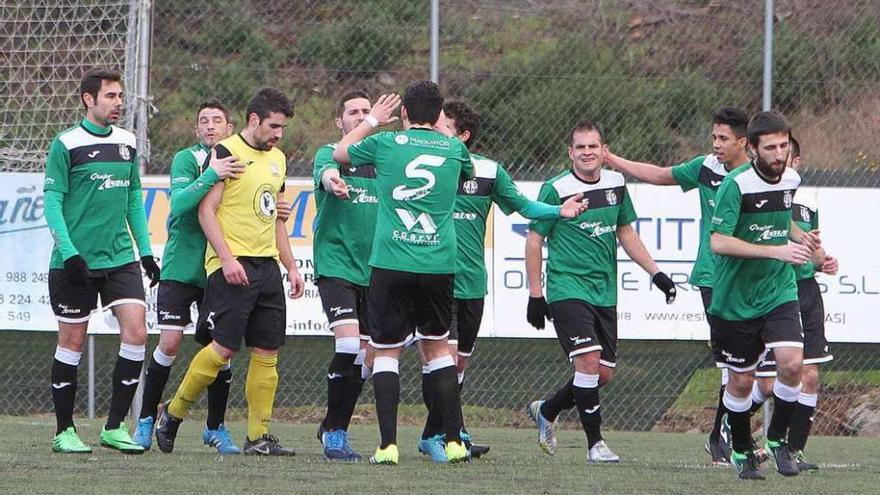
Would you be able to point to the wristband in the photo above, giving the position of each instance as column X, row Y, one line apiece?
column 373, row 121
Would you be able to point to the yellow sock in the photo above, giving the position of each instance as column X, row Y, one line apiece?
column 202, row 372
column 259, row 388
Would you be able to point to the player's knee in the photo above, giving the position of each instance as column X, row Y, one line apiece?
column 587, row 363
column 789, row 371
column 74, row 341
column 223, row 352
column 605, row 375
column 765, row 386
column 810, row 379
column 740, row 384
column 169, row 342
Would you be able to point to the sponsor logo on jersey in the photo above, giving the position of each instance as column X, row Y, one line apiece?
column 401, row 139
column 715, row 183
column 596, row 229
column 65, row 310
column 264, row 203
column 464, row 215
column 470, row 187
column 108, row 182
column 760, row 204
column 611, row 196
column 420, row 229
column 167, row 315
column 360, row 195
column 805, row 213
column 730, row 359
column 123, row 152
column 95, row 153
column 580, row 340
column 339, row 310
column 711, row 203
column 787, row 199
column 180, row 179
column 767, row 232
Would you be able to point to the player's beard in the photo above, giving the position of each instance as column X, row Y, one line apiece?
column 772, row 170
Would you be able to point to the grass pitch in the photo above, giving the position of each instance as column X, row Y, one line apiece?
column 652, row 463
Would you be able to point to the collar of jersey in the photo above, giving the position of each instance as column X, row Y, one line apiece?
column 571, row 170
column 245, row 141
column 765, row 179
column 95, row 129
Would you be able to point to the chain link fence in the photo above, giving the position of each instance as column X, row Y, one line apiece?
column 651, row 72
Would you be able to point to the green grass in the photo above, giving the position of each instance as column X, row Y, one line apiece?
column 652, row 463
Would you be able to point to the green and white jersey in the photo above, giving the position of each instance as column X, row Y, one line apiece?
column 805, row 213
column 758, row 212
column 96, row 169
column 344, row 228
column 417, row 174
column 582, row 251
column 705, row 173
column 186, row 241
column 491, row 183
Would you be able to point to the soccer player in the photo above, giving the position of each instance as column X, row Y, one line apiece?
column 413, row 255
column 491, row 184
column 183, row 281
column 244, row 296
column 582, row 283
column 92, row 201
column 805, row 212
column 347, row 204
column 755, row 295
column 705, row 173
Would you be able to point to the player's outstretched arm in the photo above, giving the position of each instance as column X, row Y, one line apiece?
column 645, row 172
column 380, row 114
column 297, row 286
column 333, row 183
column 183, row 170
column 794, row 253
column 233, row 271
column 634, row 247
column 537, row 311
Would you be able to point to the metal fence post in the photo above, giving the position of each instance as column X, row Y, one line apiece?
column 145, row 38
column 768, row 55
column 435, row 40
column 91, row 352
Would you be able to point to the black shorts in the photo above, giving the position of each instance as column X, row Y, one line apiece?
column 403, row 303
column 345, row 303
column 257, row 311
column 582, row 328
column 75, row 303
column 816, row 349
column 714, row 338
column 467, row 314
column 743, row 343
column 173, row 304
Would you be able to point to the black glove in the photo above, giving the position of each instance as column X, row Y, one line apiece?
column 152, row 269
column 77, row 270
column 537, row 312
column 664, row 283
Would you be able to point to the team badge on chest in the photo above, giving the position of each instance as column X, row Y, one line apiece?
column 611, row 197
column 787, row 199
column 124, row 153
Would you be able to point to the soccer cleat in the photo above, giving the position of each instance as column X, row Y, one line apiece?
column 388, row 456
column 726, row 437
column 118, row 439
column 221, row 440
column 786, row 463
column 266, row 445
column 143, row 432
column 166, row 431
column 601, row 453
column 457, row 452
column 546, row 428
column 746, row 465
column 476, row 450
column 434, row 447
column 803, row 465
column 68, row 442
column 336, row 446
column 715, row 448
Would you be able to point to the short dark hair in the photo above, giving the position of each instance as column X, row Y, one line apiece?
column 423, row 102
column 795, row 146
column 466, row 119
column 93, row 79
column 266, row 101
column 767, row 123
column 736, row 119
column 585, row 125
column 215, row 104
column 349, row 95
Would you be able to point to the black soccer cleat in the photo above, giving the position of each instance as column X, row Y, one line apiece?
column 803, row 465
column 747, row 466
column 166, row 430
column 786, row 463
column 718, row 450
column 478, row 450
column 266, row 445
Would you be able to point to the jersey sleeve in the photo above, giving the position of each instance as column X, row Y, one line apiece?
column 364, row 152
column 547, row 195
column 687, row 174
column 57, row 168
column 505, row 193
column 627, row 213
column 323, row 161
column 728, row 202
column 188, row 187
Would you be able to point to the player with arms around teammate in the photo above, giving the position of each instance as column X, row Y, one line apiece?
column 582, row 283
column 344, row 226
column 183, row 281
column 244, row 296
column 805, row 212
column 705, row 173
column 491, row 184
column 755, row 295
column 93, row 199
column 413, row 255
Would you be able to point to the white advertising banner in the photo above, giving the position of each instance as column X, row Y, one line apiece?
column 669, row 226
